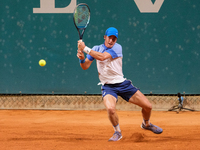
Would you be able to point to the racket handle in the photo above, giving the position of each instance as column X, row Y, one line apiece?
column 81, row 40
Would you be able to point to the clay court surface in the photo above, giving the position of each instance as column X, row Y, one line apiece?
column 90, row 130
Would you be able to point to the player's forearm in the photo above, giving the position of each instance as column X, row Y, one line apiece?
column 97, row 55
column 85, row 64
column 94, row 54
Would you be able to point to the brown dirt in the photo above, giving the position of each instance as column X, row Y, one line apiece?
column 90, row 130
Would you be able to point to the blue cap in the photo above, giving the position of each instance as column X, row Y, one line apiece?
column 112, row 31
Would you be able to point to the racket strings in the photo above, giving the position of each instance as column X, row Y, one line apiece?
column 82, row 16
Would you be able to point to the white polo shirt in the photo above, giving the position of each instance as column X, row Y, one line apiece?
column 110, row 70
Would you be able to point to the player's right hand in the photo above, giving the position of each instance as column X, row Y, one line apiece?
column 80, row 54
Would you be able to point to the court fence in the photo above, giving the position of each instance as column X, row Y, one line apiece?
column 92, row 102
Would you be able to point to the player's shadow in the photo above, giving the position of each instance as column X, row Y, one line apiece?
column 141, row 137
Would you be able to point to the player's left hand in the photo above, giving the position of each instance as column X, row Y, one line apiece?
column 81, row 45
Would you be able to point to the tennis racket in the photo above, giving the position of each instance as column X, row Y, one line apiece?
column 81, row 18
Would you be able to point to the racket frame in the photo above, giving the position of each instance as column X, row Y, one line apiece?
column 81, row 30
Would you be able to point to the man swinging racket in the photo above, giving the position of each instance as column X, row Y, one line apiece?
column 109, row 64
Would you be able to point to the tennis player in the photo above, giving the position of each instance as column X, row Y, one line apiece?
column 109, row 64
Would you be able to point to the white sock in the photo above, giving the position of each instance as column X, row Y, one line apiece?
column 146, row 122
column 117, row 128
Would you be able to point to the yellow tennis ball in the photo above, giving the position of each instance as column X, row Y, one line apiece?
column 42, row 62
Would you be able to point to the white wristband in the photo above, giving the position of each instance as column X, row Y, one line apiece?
column 87, row 50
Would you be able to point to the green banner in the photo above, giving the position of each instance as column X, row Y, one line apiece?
column 160, row 41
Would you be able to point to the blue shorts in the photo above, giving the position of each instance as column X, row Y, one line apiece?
column 125, row 89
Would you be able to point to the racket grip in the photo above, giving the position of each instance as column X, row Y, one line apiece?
column 81, row 40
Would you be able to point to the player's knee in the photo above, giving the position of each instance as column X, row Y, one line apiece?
column 111, row 110
column 148, row 107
